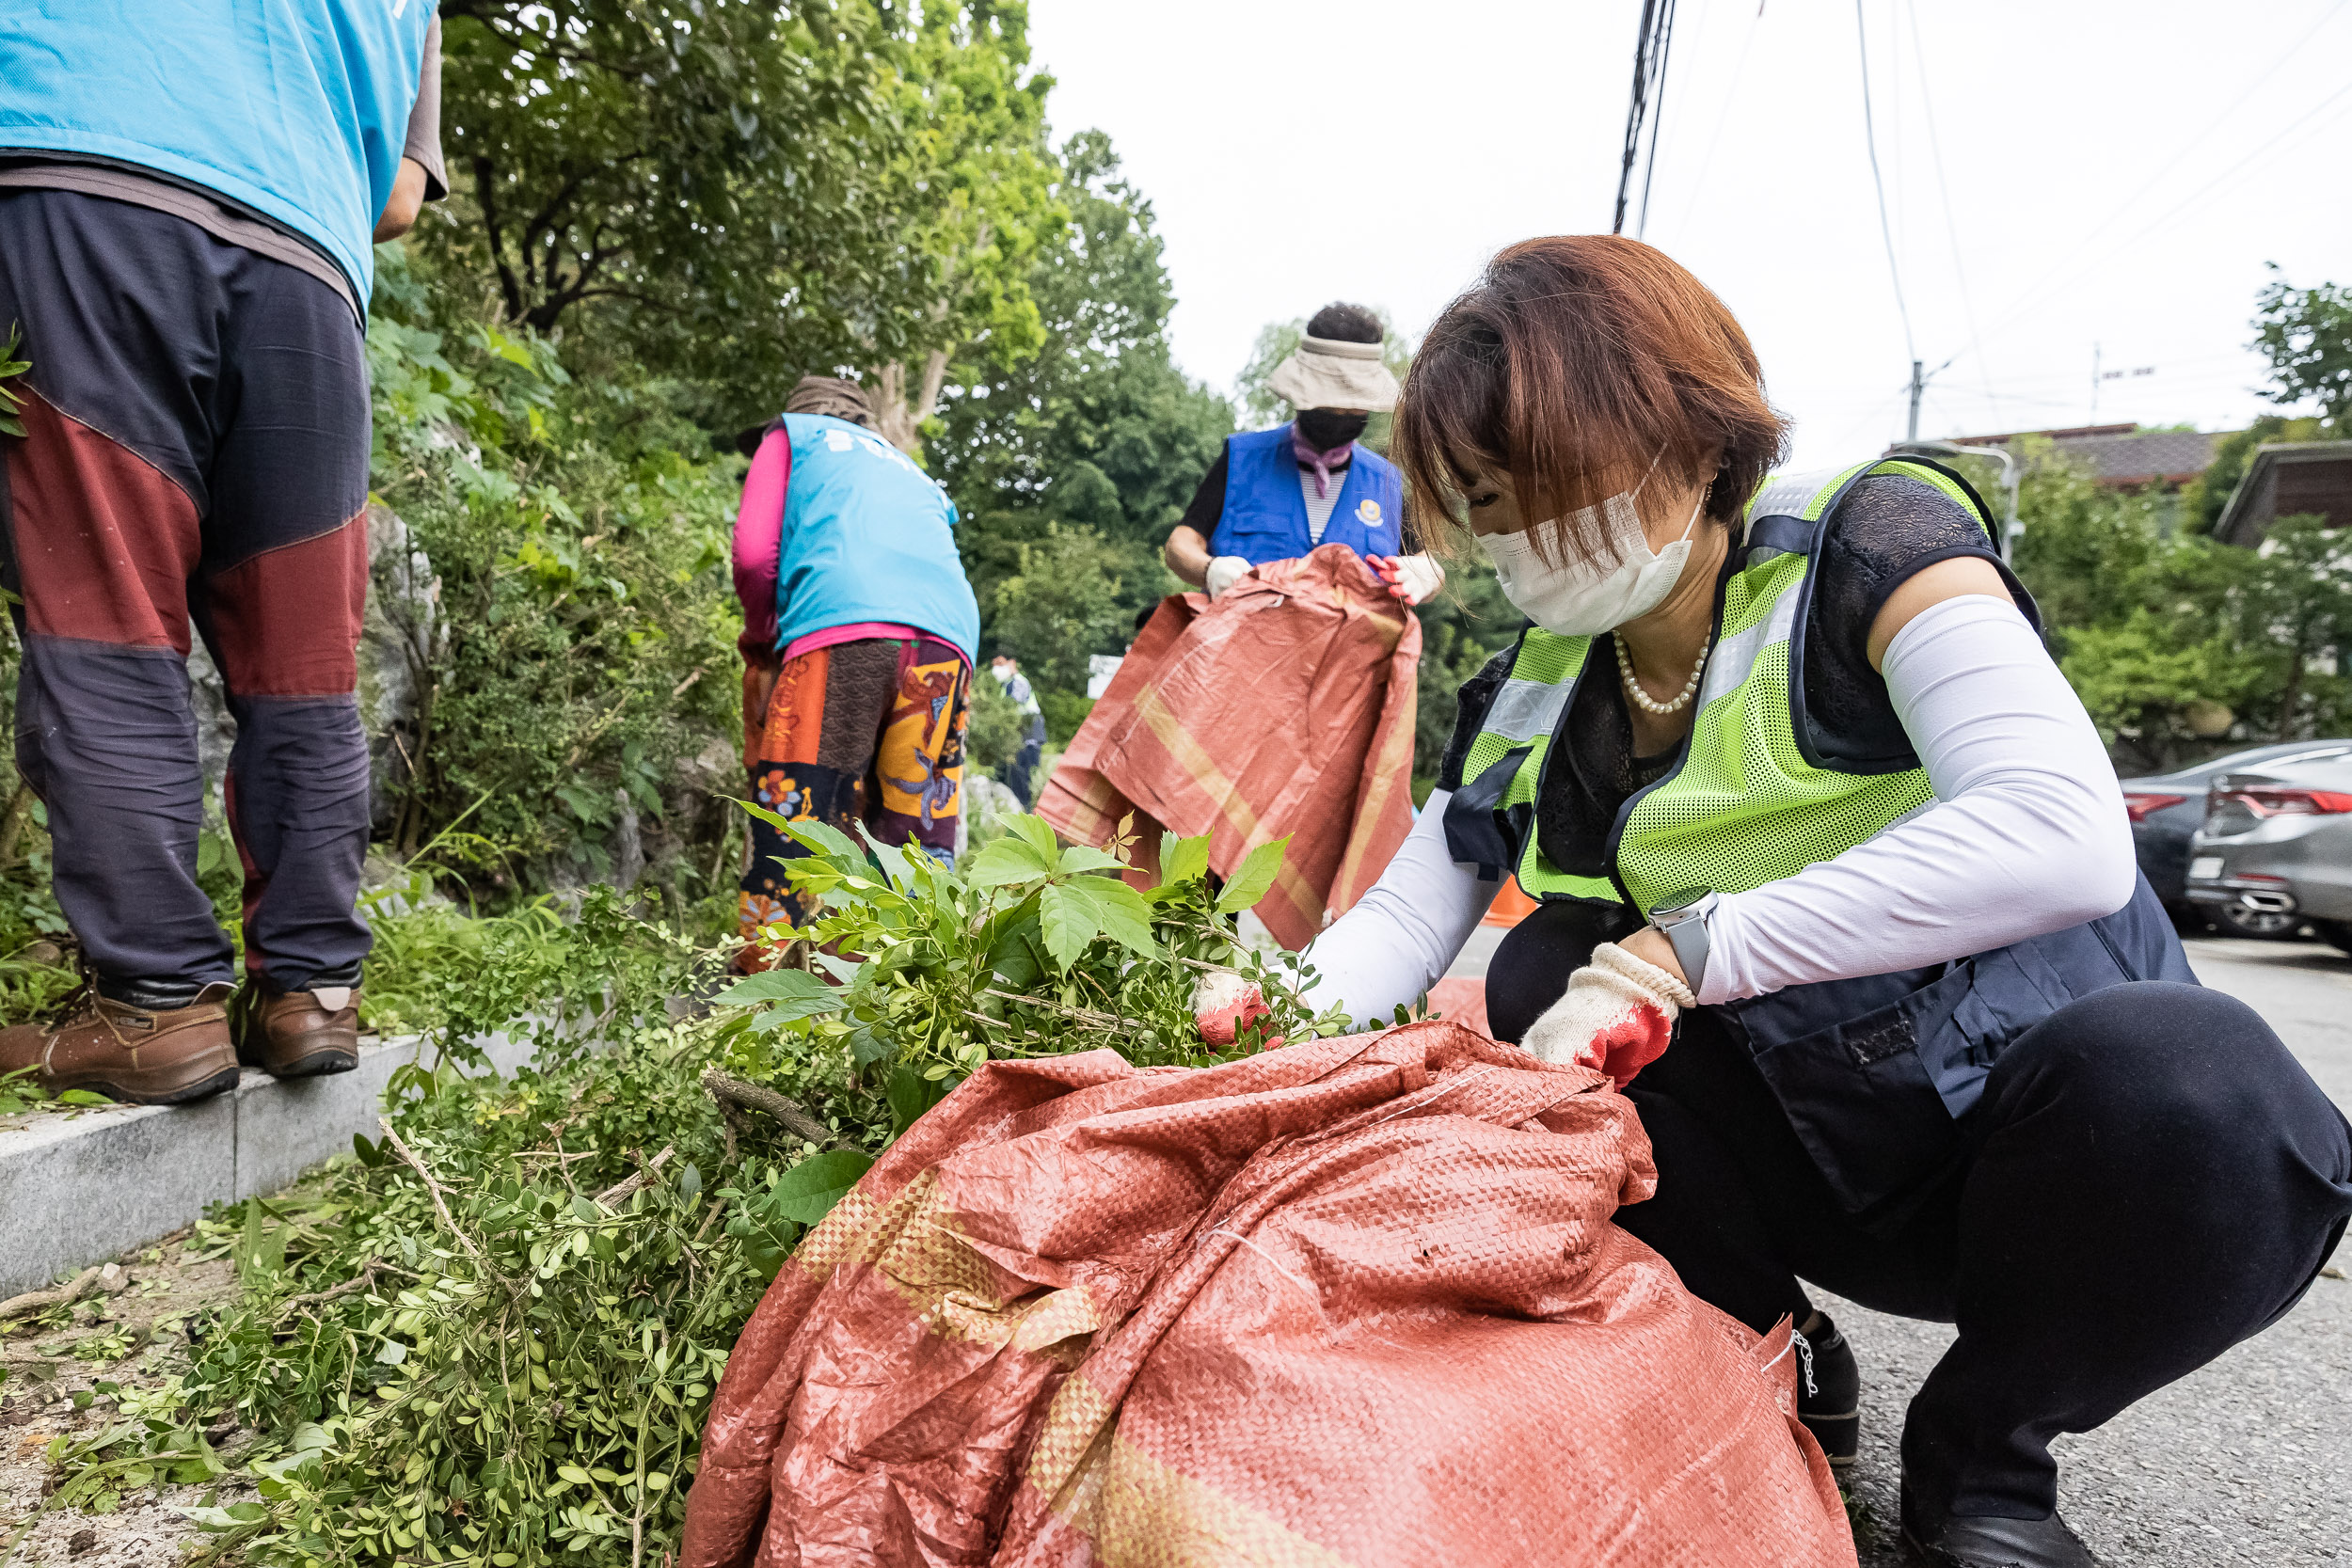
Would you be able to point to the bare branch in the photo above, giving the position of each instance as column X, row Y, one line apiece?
column 619, row 1192
column 433, row 1189
column 109, row 1280
column 735, row 1095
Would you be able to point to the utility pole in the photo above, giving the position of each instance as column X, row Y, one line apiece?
column 2095, row 382
column 1918, row 386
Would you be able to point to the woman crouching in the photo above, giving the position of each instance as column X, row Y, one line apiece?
column 1835, row 875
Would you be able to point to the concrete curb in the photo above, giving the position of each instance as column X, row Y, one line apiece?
column 79, row 1188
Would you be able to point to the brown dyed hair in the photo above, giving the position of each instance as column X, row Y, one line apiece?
column 1569, row 365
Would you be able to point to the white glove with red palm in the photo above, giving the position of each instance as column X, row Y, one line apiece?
column 1224, row 1003
column 1615, row 1017
column 1414, row 579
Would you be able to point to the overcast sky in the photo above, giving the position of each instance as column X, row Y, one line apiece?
column 2111, row 177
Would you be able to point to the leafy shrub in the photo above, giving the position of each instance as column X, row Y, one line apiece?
column 492, row 1336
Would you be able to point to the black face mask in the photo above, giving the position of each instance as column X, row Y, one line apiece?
column 1326, row 428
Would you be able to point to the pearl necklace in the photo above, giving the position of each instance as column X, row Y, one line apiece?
column 1643, row 699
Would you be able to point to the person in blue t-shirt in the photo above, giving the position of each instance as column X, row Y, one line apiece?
column 1274, row 495
column 189, row 198
column 859, row 633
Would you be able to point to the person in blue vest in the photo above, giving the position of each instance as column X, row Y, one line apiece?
column 189, row 196
column 859, row 636
column 1274, row 495
column 1836, row 883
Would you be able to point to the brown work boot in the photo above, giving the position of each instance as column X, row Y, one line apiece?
column 296, row 1034
column 139, row 1055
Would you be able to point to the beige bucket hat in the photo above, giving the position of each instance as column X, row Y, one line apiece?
column 1326, row 372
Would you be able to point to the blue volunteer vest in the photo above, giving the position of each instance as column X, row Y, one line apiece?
column 295, row 108
column 867, row 536
column 1265, row 513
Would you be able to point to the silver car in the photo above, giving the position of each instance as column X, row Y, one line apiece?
column 2279, row 839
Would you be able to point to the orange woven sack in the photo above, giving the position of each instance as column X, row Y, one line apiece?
column 1355, row 1304
column 1284, row 707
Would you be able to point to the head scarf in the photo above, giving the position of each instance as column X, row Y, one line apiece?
column 1319, row 459
column 825, row 394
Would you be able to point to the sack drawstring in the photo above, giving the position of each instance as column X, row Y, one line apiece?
column 1805, row 1355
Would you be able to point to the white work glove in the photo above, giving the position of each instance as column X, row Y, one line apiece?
column 1411, row 578
column 1615, row 1017
column 1225, row 570
column 1224, row 1003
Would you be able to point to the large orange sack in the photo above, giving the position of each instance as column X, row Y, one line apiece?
column 1358, row 1302
column 1284, row 707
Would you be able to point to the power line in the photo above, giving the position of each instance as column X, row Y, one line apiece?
column 1649, row 77
column 2040, row 291
column 1869, row 136
column 1657, row 113
column 1951, row 226
column 2031, row 292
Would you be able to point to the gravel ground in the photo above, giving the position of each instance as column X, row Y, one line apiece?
column 125, row 1335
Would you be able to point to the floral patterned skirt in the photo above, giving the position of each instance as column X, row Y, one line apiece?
column 865, row 735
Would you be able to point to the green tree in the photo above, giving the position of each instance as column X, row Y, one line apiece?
column 973, row 200
column 2084, row 546
column 741, row 193
column 701, row 161
column 2204, row 498
column 1061, row 604
column 2306, row 334
column 1098, row 429
column 2297, row 607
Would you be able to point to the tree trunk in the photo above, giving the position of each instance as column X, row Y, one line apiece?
column 898, row 416
column 2291, row 696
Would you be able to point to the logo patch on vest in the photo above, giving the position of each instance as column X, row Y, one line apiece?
column 1369, row 510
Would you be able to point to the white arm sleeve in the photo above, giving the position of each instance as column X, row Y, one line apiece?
column 2026, row 834
column 1404, row 934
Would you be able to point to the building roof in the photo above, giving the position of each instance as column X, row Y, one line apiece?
column 2123, row 453
column 2287, row 479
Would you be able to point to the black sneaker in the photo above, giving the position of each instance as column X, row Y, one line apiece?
column 1974, row 1541
column 1829, row 1393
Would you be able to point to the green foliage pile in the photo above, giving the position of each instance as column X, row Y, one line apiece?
column 1030, row 949
column 491, row 1337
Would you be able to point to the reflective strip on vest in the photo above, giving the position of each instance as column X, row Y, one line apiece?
column 1523, row 712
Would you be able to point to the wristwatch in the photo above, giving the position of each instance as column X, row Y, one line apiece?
column 1683, row 919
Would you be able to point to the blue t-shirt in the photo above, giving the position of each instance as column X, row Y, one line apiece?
column 296, row 108
column 867, row 536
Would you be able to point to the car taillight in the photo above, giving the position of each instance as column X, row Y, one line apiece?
column 2281, row 801
column 2142, row 806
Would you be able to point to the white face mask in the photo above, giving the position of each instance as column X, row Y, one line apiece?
column 1578, row 598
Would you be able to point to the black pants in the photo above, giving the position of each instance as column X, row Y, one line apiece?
column 2150, row 1178
column 196, row 449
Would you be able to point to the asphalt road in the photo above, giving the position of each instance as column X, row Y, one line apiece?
column 2245, row 1462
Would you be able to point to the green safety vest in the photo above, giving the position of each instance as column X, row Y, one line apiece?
column 1872, row 1072
column 1748, row 801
